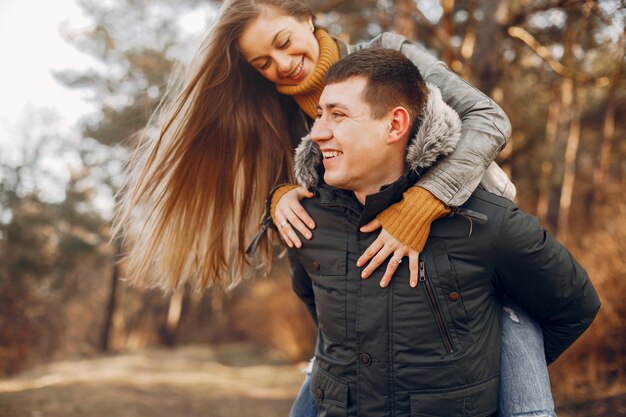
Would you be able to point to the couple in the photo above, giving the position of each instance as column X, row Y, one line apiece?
column 433, row 349
column 195, row 196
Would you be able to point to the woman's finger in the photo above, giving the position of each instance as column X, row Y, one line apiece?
column 371, row 251
column 303, row 216
column 291, row 234
column 371, row 226
column 413, row 267
column 392, row 266
column 377, row 260
column 297, row 224
column 304, row 193
column 281, row 226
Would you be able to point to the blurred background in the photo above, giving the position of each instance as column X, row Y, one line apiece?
column 80, row 77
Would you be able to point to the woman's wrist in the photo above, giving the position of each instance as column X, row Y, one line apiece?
column 409, row 220
column 278, row 193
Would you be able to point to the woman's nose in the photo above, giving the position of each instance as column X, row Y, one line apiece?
column 283, row 63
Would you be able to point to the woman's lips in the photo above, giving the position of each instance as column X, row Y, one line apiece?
column 298, row 72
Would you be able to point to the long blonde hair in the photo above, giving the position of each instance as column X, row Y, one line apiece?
column 195, row 194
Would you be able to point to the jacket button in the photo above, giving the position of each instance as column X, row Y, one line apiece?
column 454, row 296
column 365, row 359
column 319, row 394
column 316, row 265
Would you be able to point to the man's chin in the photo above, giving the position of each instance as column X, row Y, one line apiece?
column 336, row 183
column 330, row 180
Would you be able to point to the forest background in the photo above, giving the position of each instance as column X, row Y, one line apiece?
column 555, row 66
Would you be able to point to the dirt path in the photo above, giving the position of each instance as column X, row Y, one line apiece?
column 186, row 382
column 225, row 381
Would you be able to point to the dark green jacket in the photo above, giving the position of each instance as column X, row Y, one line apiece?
column 433, row 350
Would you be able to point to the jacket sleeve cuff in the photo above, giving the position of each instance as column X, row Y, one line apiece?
column 409, row 219
column 277, row 195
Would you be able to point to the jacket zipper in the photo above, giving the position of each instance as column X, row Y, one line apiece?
column 441, row 324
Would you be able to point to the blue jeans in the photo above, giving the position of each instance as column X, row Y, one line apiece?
column 524, row 383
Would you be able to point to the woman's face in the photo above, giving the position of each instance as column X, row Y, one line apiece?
column 282, row 48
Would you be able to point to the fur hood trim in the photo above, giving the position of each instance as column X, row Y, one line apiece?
column 437, row 137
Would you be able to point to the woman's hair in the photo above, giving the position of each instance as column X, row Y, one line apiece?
column 195, row 193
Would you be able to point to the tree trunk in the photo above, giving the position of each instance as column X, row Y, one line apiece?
column 485, row 60
column 569, row 177
column 564, row 121
column 112, row 301
column 546, row 164
column 601, row 165
column 173, row 316
column 448, row 28
column 404, row 23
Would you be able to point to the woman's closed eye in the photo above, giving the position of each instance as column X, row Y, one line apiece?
column 265, row 65
column 285, row 44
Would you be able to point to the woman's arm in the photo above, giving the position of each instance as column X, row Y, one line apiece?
column 485, row 128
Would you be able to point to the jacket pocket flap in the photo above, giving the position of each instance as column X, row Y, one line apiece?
column 477, row 399
column 327, row 388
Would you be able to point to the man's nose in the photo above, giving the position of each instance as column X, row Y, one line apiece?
column 321, row 130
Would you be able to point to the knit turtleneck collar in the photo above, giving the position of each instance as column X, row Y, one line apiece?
column 308, row 92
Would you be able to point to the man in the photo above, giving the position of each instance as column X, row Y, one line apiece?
column 434, row 349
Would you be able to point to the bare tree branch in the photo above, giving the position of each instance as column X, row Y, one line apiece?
column 543, row 52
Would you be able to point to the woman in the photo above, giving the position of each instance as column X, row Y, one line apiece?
column 195, row 195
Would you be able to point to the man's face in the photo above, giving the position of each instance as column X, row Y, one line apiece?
column 354, row 145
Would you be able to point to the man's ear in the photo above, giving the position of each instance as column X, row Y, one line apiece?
column 400, row 124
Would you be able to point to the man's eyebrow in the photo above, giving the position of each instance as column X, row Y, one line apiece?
column 273, row 41
column 331, row 106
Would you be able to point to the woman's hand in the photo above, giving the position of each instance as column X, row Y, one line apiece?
column 290, row 215
column 385, row 245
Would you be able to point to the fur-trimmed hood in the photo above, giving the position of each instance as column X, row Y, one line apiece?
column 437, row 136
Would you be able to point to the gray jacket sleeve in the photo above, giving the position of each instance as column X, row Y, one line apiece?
column 537, row 272
column 485, row 127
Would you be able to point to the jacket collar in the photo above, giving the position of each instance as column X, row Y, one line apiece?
column 437, row 137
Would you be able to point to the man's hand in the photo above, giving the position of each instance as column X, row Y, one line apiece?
column 290, row 214
column 384, row 245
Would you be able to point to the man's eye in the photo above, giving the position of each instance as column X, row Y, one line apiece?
column 337, row 114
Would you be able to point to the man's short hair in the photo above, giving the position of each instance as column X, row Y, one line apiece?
column 392, row 80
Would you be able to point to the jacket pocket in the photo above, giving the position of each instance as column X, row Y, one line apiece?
column 330, row 393
column 436, row 309
column 448, row 293
column 324, row 258
column 476, row 400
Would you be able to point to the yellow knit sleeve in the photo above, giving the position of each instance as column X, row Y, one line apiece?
column 409, row 219
column 278, row 194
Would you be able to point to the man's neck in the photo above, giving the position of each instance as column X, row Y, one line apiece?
column 374, row 186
